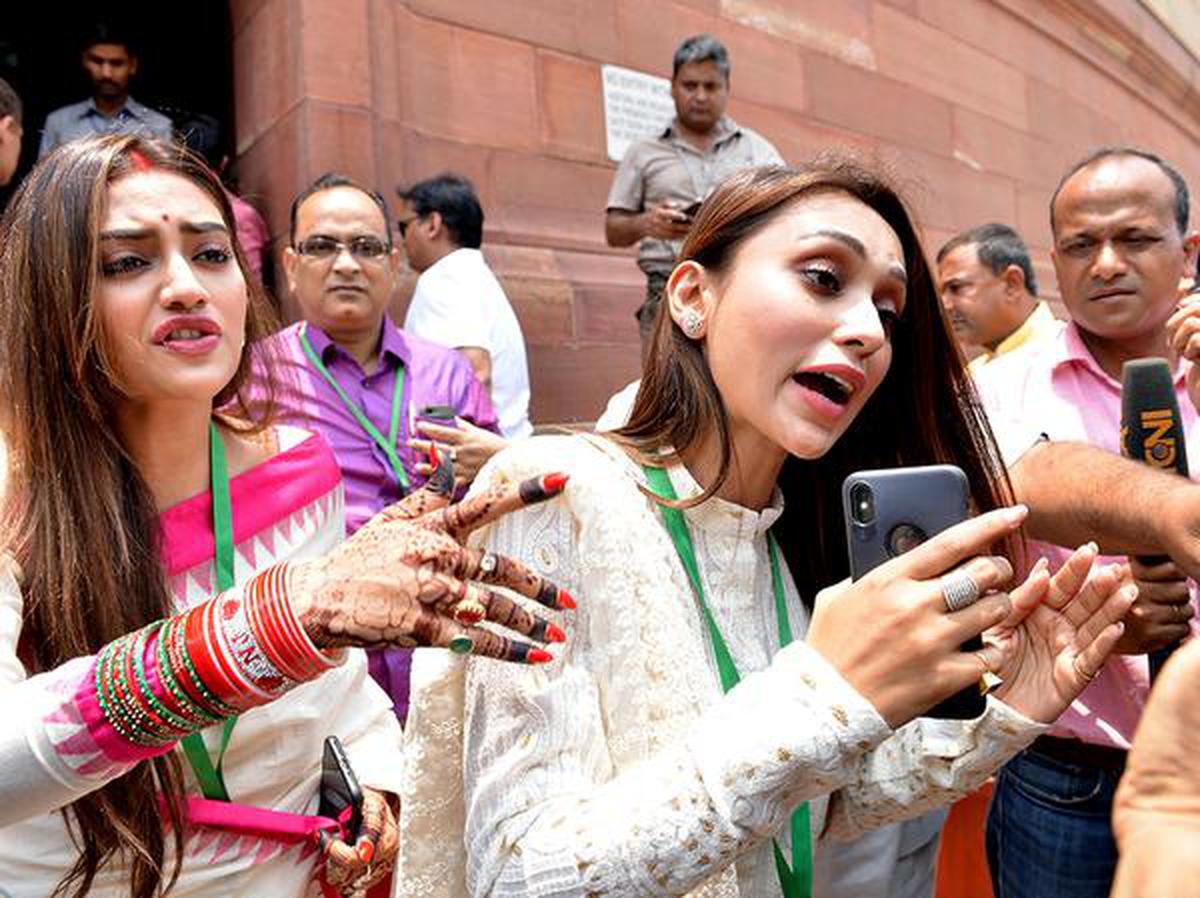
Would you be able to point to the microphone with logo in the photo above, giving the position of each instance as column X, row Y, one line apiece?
column 1152, row 432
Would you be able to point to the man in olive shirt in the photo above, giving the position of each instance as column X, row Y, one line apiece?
column 661, row 179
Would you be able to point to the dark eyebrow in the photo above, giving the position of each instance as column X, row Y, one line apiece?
column 849, row 240
column 188, row 227
column 203, row 227
column 856, row 246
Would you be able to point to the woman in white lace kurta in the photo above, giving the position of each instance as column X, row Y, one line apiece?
column 621, row 768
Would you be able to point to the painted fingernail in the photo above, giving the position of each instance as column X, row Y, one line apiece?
column 434, row 458
column 555, row 633
column 554, row 483
column 366, row 851
column 462, row 645
column 566, row 600
column 538, row 656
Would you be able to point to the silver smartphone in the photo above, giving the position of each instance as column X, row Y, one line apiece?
column 893, row 510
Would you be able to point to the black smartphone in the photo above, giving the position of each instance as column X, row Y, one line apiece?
column 690, row 211
column 890, row 511
column 340, row 788
column 441, row 413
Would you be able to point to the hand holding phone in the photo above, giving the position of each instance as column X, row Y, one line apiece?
column 890, row 634
column 890, row 512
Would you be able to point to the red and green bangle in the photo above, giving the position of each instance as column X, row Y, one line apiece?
column 235, row 652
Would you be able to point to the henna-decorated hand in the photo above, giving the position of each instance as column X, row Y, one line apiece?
column 406, row 578
column 353, row 869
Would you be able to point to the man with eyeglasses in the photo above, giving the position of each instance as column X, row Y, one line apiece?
column 349, row 373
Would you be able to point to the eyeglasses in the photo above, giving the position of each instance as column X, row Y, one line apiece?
column 364, row 249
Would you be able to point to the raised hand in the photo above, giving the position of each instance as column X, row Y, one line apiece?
column 1061, row 631
column 406, row 578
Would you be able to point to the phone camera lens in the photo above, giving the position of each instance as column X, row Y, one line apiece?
column 862, row 504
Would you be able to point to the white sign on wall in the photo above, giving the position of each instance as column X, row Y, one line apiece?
column 636, row 106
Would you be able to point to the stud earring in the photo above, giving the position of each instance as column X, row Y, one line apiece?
column 691, row 322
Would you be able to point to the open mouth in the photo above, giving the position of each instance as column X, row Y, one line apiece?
column 832, row 387
column 184, row 333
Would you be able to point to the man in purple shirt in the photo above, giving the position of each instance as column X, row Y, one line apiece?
column 347, row 372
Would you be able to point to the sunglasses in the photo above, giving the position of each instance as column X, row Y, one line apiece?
column 361, row 248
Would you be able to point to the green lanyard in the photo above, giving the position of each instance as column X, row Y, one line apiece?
column 795, row 881
column 211, row 779
column 389, row 445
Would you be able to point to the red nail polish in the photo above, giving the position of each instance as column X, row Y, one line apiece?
column 366, row 851
column 566, row 600
column 434, row 461
column 538, row 656
column 554, row 483
column 555, row 634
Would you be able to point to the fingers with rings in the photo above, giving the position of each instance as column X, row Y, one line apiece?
column 959, row 590
column 965, row 585
column 473, row 604
column 500, row 570
column 513, row 616
column 486, row 644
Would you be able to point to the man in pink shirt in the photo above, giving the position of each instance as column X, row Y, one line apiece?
column 1121, row 247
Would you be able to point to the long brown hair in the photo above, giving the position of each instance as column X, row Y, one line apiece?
column 924, row 412
column 78, row 516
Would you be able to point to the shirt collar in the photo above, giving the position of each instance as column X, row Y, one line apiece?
column 725, row 128
column 393, row 344
column 1069, row 349
column 1039, row 317
column 719, row 515
column 131, row 108
column 461, row 256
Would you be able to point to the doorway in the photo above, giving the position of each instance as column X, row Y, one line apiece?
column 185, row 62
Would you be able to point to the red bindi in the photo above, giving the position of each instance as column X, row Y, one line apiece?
column 166, row 217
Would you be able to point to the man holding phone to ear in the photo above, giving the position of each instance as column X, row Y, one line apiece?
column 662, row 180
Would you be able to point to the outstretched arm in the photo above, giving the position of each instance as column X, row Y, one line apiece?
column 1078, row 493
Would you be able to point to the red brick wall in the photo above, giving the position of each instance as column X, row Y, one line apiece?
column 977, row 104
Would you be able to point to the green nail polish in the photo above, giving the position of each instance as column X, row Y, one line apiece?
column 462, row 645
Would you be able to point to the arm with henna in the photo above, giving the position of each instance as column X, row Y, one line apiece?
column 403, row 579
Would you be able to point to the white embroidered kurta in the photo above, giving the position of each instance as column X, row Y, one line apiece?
column 620, row 769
